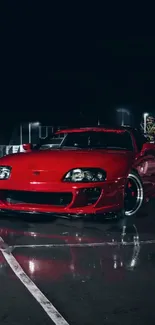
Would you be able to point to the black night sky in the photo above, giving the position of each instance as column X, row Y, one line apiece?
column 60, row 66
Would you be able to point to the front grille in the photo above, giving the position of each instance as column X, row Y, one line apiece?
column 45, row 198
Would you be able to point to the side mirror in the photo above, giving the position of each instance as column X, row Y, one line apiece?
column 27, row 147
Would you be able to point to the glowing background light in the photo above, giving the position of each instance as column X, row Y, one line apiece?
column 145, row 115
column 125, row 116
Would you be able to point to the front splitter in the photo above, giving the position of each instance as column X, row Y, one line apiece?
column 16, row 213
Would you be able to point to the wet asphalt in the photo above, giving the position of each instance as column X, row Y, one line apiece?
column 92, row 271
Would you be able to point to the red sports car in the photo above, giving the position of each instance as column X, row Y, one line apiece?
column 93, row 170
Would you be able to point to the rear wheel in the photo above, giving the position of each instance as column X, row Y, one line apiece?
column 134, row 194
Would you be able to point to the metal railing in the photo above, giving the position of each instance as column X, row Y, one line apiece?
column 7, row 150
column 15, row 148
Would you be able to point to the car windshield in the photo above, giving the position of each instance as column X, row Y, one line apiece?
column 90, row 140
column 96, row 140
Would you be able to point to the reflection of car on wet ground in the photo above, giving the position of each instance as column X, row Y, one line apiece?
column 94, row 170
column 77, row 257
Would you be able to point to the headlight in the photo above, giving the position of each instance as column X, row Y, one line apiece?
column 85, row 175
column 5, row 172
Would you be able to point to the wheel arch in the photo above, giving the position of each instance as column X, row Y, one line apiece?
column 138, row 181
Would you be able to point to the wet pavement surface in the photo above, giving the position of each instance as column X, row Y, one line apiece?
column 78, row 272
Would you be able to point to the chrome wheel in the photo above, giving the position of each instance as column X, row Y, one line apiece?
column 133, row 195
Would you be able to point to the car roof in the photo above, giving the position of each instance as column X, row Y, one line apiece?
column 95, row 129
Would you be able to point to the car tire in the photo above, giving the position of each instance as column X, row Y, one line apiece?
column 133, row 195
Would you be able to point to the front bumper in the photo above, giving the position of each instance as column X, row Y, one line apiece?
column 86, row 199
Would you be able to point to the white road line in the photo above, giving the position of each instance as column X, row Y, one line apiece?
column 112, row 243
column 139, row 242
column 74, row 245
column 50, row 310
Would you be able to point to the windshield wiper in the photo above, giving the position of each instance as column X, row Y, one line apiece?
column 71, row 147
column 118, row 148
column 107, row 147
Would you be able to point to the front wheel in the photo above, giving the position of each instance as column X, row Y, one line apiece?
column 134, row 194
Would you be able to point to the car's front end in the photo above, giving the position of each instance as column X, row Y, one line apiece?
column 65, row 181
column 65, row 198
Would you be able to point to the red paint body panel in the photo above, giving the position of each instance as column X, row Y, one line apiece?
column 43, row 171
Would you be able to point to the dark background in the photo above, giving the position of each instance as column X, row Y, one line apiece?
column 71, row 65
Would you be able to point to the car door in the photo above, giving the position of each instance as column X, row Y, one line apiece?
column 145, row 163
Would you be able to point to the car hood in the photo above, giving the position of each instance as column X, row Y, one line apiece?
column 114, row 162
